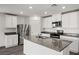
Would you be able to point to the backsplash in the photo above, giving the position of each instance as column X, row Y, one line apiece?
column 71, row 30
column 52, row 29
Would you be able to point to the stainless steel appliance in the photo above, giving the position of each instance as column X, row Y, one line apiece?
column 60, row 32
column 21, row 31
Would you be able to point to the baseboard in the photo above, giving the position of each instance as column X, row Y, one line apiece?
column 20, row 44
column 72, row 53
column 2, row 47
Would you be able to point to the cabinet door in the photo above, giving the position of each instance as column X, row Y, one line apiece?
column 73, row 20
column 8, row 21
column 14, row 21
column 14, row 40
column 11, row 21
column 66, row 21
column 8, row 41
column 56, row 17
column 47, row 22
column 69, row 20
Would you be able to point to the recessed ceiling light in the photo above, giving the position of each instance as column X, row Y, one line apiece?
column 21, row 12
column 63, row 7
column 30, row 7
column 45, row 12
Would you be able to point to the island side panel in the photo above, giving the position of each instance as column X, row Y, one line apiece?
column 31, row 48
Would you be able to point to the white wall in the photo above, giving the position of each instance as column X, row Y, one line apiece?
column 22, row 20
column 35, row 23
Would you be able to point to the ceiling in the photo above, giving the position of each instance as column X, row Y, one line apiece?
column 37, row 9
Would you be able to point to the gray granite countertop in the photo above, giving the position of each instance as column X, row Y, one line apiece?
column 71, row 34
column 65, row 34
column 53, row 43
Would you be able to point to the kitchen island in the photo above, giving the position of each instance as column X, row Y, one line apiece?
column 46, row 46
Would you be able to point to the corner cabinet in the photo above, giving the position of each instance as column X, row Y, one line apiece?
column 11, row 21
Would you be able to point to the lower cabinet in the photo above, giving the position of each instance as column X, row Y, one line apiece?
column 75, row 43
column 11, row 40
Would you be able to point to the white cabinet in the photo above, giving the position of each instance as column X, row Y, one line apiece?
column 47, row 22
column 75, row 43
column 8, row 21
column 14, row 21
column 56, row 17
column 70, row 20
column 11, row 40
column 65, row 20
column 74, row 20
column 11, row 21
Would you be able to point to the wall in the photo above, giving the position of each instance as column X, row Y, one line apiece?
column 35, row 23
column 22, row 20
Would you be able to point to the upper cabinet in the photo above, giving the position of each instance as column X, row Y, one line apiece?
column 56, row 17
column 47, row 22
column 70, row 20
column 11, row 21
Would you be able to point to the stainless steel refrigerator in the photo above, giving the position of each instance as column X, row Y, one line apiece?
column 21, row 31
